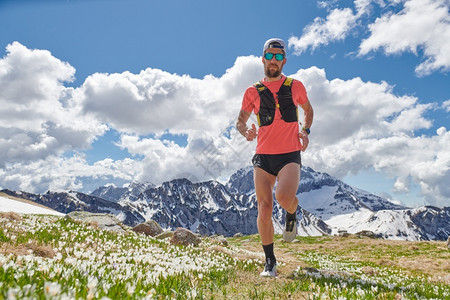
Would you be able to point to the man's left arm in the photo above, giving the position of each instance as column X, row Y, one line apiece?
column 308, row 114
column 307, row 122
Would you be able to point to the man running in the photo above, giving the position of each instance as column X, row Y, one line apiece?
column 275, row 100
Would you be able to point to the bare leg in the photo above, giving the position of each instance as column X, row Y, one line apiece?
column 264, row 183
column 288, row 180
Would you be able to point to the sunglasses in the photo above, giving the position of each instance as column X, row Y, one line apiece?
column 278, row 56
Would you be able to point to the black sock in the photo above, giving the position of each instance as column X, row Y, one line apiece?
column 268, row 251
column 290, row 216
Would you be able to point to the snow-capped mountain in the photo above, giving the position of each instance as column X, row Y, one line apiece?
column 326, row 196
column 116, row 194
column 424, row 223
column 327, row 205
column 66, row 202
column 339, row 206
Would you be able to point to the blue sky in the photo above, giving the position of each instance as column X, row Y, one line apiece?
column 96, row 92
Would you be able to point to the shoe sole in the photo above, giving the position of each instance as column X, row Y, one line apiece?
column 267, row 274
column 290, row 236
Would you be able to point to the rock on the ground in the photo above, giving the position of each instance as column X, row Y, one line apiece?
column 150, row 228
column 183, row 236
column 103, row 221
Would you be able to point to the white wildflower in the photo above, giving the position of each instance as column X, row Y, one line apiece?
column 92, row 283
column 151, row 293
column 130, row 288
column 191, row 294
column 12, row 293
column 51, row 289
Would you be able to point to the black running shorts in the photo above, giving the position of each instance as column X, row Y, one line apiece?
column 273, row 163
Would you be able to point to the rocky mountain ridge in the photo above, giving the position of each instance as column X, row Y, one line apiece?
column 327, row 206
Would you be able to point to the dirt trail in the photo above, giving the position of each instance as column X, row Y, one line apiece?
column 427, row 257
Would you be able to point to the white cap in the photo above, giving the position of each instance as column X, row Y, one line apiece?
column 274, row 43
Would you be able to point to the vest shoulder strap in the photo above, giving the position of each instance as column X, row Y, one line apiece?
column 288, row 81
column 259, row 86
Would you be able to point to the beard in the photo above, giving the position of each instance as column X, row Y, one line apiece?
column 271, row 73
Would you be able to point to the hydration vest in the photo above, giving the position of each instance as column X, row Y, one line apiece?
column 268, row 106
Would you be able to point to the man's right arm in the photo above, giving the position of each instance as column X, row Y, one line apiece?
column 241, row 125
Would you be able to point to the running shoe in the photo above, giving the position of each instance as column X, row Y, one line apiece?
column 270, row 268
column 290, row 230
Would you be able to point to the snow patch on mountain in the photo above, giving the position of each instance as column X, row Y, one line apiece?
column 20, row 207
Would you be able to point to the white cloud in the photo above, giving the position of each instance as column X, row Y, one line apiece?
column 149, row 103
column 154, row 101
column 446, row 105
column 204, row 158
column 416, row 26
column 59, row 173
column 356, row 108
column 360, row 125
column 421, row 24
column 321, row 32
column 35, row 120
column 337, row 25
